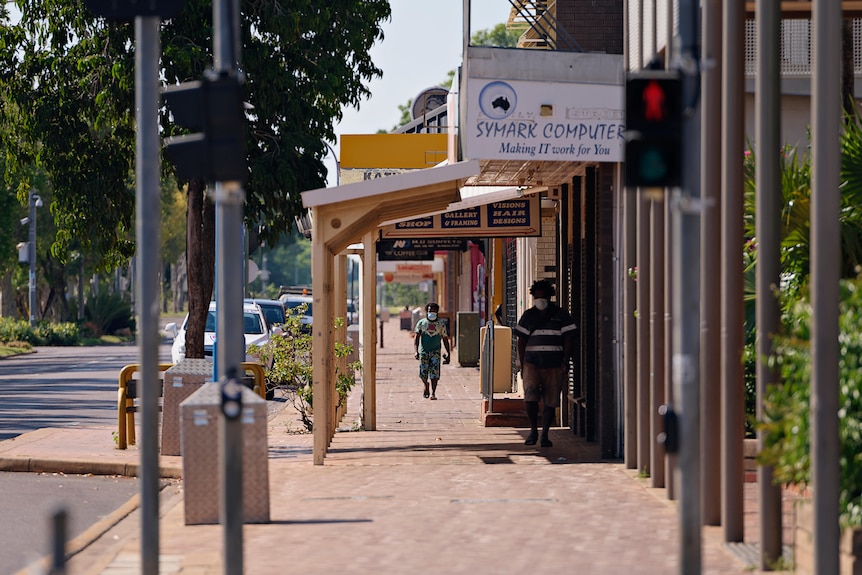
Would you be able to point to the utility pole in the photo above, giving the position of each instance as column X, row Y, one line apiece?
column 35, row 201
column 230, row 343
column 687, row 209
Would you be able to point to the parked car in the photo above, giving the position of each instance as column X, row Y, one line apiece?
column 273, row 310
column 293, row 301
column 256, row 329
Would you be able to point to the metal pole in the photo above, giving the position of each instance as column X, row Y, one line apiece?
column 733, row 312
column 643, row 346
column 147, row 230
column 710, row 286
column 230, row 343
column 687, row 208
column 630, row 213
column 59, row 531
column 767, row 102
column 825, row 273
column 31, row 255
column 656, row 339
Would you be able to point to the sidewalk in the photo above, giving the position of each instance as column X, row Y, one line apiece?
column 431, row 491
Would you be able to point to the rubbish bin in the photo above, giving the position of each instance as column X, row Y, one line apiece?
column 181, row 380
column 406, row 318
column 201, row 467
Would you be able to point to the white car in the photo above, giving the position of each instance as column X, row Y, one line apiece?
column 256, row 329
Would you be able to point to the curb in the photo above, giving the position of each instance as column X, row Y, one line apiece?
column 82, row 467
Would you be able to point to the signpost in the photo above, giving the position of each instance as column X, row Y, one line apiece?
column 146, row 16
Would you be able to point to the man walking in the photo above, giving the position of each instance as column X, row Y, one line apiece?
column 430, row 334
column 544, row 348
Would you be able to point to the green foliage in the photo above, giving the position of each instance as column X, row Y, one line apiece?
column 500, row 35
column 44, row 333
column 786, row 420
column 304, row 61
column 288, row 366
column 399, row 294
column 68, row 85
column 109, row 313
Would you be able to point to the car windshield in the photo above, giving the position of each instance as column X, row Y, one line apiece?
column 274, row 314
column 211, row 321
column 251, row 323
column 296, row 304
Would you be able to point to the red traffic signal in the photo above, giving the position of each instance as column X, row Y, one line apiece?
column 653, row 129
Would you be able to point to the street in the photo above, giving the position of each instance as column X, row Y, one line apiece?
column 63, row 387
column 29, row 501
column 58, row 387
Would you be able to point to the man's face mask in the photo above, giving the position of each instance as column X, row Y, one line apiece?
column 541, row 304
column 432, row 315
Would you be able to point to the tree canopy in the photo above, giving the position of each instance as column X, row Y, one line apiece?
column 67, row 82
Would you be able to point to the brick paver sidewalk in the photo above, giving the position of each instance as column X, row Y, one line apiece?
column 431, row 491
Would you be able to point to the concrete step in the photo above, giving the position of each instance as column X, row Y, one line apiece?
column 507, row 412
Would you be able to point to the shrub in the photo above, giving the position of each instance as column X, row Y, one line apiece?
column 287, row 364
column 109, row 313
column 786, row 411
column 44, row 333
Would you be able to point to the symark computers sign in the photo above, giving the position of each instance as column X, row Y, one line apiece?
column 520, row 120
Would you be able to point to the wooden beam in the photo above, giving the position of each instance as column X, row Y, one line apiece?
column 801, row 9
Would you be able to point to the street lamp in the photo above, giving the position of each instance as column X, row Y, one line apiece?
column 35, row 202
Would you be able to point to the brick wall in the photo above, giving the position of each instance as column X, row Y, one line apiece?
column 596, row 25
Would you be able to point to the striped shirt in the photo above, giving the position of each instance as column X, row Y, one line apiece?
column 545, row 335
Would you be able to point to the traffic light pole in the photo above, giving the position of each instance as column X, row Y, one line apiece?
column 686, row 219
column 230, row 342
column 147, row 226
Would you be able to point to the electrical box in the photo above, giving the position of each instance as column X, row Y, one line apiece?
column 468, row 338
column 199, row 421
column 502, row 370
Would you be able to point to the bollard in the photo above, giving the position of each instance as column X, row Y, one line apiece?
column 58, row 542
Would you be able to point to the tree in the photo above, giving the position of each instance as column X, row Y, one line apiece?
column 68, row 107
column 499, row 36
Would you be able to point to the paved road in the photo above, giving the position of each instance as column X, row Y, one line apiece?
column 62, row 387
column 29, row 500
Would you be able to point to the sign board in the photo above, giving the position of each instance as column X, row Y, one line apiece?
column 517, row 217
column 418, row 249
column 542, row 121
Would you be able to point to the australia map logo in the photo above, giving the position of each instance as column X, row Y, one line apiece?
column 498, row 100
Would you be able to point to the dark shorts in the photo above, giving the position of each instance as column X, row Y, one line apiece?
column 543, row 384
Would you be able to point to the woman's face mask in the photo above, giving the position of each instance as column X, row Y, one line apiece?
column 541, row 304
column 432, row 315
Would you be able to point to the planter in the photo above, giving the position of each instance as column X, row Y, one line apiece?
column 850, row 546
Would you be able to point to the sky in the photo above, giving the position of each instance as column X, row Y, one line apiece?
column 422, row 42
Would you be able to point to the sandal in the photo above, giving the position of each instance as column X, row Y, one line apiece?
column 433, row 397
column 425, row 394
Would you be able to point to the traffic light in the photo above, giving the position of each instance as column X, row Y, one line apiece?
column 653, row 129
column 125, row 10
column 212, row 108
